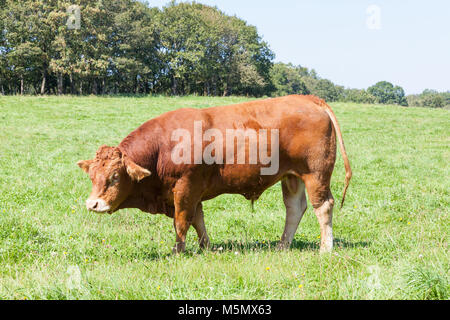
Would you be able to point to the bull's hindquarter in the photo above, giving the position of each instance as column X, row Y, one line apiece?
column 307, row 153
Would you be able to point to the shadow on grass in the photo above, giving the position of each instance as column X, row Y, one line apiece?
column 272, row 245
column 345, row 244
column 243, row 247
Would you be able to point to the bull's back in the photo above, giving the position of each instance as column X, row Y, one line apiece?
column 268, row 113
column 302, row 122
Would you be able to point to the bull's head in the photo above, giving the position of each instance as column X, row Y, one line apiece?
column 113, row 175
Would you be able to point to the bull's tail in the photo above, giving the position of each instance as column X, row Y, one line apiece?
column 337, row 128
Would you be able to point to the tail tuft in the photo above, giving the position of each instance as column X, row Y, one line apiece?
column 348, row 177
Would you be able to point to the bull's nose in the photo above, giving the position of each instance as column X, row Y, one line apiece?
column 97, row 205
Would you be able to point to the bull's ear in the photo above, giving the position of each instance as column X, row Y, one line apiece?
column 135, row 171
column 85, row 164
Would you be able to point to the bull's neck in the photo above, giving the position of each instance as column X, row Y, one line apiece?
column 142, row 146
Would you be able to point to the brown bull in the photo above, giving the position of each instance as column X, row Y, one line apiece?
column 172, row 163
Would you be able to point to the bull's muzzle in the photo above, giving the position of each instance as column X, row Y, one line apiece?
column 97, row 205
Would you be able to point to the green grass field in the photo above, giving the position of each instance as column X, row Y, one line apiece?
column 391, row 236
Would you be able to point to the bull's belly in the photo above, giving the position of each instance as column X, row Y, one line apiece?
column 248, row 183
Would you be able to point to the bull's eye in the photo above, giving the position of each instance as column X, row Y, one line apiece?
column 114, row 179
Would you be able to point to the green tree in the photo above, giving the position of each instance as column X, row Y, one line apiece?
column 22, row 52
column 386, row 93
column 288, row 79
column 358, row 96
column 25, row 60
column 4, row 67
column 135, row 57
column 206, row 51
column 182, row 42
column 324, row 89
column 431, row 99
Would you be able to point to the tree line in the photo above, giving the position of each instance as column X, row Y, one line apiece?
column 124, row 46
column 128, row 47
column 430, row 99
column 291, row 79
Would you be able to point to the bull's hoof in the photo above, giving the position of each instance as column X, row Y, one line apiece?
column 179, row 248
column 205, row 245
column 326, row 249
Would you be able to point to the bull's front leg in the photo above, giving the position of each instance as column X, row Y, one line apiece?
column 185, row 211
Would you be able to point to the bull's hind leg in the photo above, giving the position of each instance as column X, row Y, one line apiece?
column 318, row 188
column 295, row 201
column 199, row 225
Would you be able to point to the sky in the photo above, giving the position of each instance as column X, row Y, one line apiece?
column 355, row 43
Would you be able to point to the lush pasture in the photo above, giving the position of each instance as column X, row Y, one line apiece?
column 391, row 237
